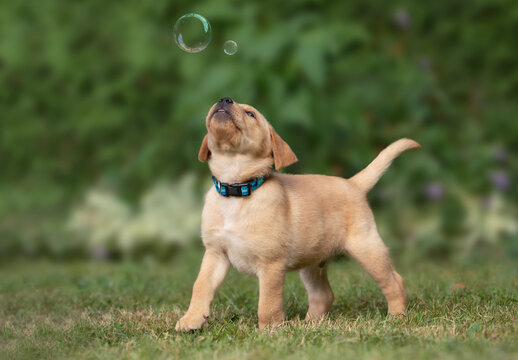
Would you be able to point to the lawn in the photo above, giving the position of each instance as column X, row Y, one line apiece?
column 86, row 310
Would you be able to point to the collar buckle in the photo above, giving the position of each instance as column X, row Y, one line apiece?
column 240, row 190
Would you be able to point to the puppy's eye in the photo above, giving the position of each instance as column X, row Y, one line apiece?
column 249, row 113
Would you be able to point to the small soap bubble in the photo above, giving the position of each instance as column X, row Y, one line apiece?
column 192, row 33
column 230, row 47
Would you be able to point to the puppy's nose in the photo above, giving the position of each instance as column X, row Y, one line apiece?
column 225, row 101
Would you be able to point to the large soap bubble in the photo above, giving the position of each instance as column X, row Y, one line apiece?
column 192, row 33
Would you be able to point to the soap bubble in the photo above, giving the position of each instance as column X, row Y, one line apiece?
column 192, row 33
column 230, row 47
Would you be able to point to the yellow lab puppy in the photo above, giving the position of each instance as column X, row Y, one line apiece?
column 266, row 224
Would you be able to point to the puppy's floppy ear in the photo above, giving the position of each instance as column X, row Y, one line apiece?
column 282, row 154
column 204, row 153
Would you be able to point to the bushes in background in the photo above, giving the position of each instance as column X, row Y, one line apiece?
column 96, row 92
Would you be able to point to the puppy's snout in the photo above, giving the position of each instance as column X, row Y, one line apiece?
column 225, row 101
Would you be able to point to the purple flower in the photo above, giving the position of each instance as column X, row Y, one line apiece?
column 486, row 202
column 434, row 191
column 402, row 19
column 384, row 193
column 99, row 252
column 499, row 154
column 500, row 180
column 425, row 63
column 29, row 250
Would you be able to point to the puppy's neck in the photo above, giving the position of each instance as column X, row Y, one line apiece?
column 238, row 168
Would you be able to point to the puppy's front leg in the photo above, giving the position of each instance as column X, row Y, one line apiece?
column 214, row 267
column 271, row 284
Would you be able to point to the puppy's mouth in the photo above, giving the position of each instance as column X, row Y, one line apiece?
column 220, row 114
column 220, row 111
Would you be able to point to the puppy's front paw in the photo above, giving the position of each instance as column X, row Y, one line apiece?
column 272, row 321
column 190, row 322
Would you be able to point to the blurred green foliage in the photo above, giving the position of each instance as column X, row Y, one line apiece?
column 96, row 92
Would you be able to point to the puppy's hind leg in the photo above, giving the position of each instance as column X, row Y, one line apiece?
column 373, row 256
column 320, row 295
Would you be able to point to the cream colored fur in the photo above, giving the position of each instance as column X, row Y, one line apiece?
column 292, row 222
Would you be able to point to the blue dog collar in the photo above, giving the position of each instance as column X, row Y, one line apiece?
column 243, row 189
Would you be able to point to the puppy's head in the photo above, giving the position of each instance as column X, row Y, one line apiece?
column 235, row 128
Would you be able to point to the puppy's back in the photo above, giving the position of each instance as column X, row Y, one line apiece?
column 322, row 210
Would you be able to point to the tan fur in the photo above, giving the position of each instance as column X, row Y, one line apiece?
column 204, row 153
column 283, row 156
column 292, row 222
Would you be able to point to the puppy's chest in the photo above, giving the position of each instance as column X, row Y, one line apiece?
column 233, row 234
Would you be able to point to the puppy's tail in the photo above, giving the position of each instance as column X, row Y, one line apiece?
column 368, row 177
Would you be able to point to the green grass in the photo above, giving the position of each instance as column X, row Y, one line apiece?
column 109, row 310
